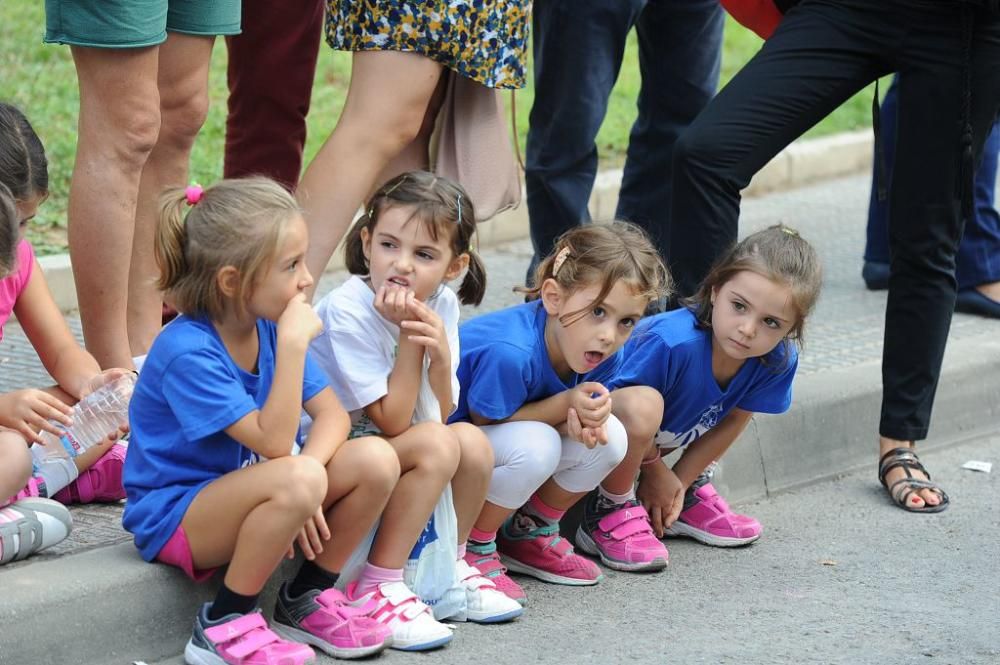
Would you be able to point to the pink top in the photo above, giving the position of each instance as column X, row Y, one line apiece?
column 13, row 285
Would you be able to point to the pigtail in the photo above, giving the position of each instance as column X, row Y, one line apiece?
column 354, row 246
column 473, row 287
column 171, row 238
column 9, row 227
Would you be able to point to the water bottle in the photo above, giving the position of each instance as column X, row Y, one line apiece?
column 94, row 417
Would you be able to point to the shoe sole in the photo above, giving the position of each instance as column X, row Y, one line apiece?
column 585, row 543
column 491, row 618
column 423, row 646
column 683, row 530
column 346, row 653
column 194, row 655
column 544, row 575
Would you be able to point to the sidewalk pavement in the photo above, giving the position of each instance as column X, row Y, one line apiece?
column 94, row 583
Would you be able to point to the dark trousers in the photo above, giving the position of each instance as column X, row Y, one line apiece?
column 978, row 258
column 823, row 52
column 271, row 67
column 578, row 49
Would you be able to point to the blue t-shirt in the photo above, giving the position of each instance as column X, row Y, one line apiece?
column 189, row 391
column 504, row 363
column 670, row 353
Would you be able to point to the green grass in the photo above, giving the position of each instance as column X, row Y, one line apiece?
column 41, row 80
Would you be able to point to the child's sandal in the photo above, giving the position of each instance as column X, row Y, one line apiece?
column 901, row 490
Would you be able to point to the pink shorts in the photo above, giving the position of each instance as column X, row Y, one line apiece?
column 177, row 552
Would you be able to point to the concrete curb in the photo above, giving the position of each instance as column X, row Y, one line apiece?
column 805, row 161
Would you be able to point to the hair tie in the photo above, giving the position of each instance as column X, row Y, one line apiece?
column 458, row 202
column 560, row 260
column 193, row 193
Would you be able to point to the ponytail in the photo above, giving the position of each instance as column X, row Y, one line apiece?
column 473, row 287
column 171, row 238
column 9, row 231
column 354, row 248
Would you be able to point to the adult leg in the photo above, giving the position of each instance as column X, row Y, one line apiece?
column 680, row 51
column 820, row 55
column 578, row 49
column 876, row 275
column 978, row 263
column 270, row 74
column 368, row 135
column 118, row 127
column 182, row 80
column 925, row 223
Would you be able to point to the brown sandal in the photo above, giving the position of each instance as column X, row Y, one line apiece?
column 900, row 491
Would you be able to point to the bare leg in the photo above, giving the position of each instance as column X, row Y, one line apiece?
column 15, row 463
column 640, row 409
column 416, row 155
column 428, row 457
column 472, row 479
column 249, row 517
column 371, row 132
column 183, row 84
column 118, row 127
column 360, row 480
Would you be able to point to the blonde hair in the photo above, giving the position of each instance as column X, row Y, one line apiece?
column 604, row 254
column 437, row 202
column 777, row 253
column 10, row 226
column 237, row 223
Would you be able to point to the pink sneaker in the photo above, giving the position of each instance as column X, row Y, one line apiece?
column 624, row 540
column 242, row 639
column 102, row 482
column 544, row 554
column 488, row 563
column 711, row 521
column 326, row 620
column 35, row 489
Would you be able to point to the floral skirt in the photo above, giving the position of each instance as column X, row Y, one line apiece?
column 483, row 40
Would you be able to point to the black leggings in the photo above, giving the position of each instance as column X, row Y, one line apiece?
column 823, row 52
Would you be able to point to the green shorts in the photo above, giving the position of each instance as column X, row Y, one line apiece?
column 136, row 23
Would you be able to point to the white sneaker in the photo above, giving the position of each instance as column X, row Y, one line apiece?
column 484, row 602
column 410, row 620
column 30, row 525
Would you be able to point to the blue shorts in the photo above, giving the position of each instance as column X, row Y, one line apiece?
column 136, row 23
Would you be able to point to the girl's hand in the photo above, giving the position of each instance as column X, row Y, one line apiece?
column 29, row 411
column 299, row 323
column 661, row 493
column 311, row 536
column 588, row 436
column 394, row 303
column 592, row 403
column 102, row 379
column 429, row 332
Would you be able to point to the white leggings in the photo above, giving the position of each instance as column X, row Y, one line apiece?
column 528, row 453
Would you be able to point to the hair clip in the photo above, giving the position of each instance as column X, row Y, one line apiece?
column 791, row 232
column 560, row 259
column 458, row 202
column 193, row 193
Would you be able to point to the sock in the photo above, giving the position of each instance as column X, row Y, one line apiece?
column 607, row 502
column 371, row 576
column 310, row 577
column 57, row 472
column 481, row 540
column 229, row 602
column 533, row 515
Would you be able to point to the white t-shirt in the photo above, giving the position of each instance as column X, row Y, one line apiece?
column 357, row 350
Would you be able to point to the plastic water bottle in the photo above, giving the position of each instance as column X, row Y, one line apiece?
column 94, row 417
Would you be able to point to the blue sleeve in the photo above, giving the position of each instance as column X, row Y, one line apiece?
column 646, row 362
column 314, row 379
column 500, row 381
column 203, row 394
column 773, row 394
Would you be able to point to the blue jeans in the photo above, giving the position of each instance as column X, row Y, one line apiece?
column 978, row 258
column 578, row 50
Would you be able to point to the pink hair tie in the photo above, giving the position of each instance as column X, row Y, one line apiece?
column 193, row 193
